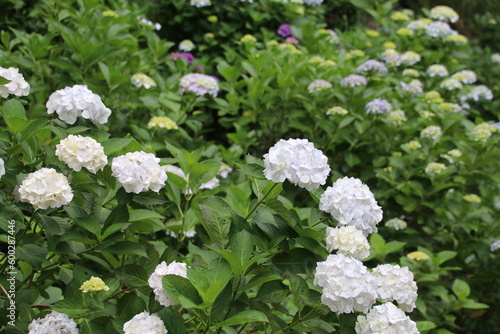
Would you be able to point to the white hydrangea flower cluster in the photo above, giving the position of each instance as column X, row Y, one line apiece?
column 396, row 117
column 318, row 85
column 155, row 280
column 480, row 92
column 465, row 76
column 397, row 223
column 391, row 57
column 347, row 284
column 79, row 151
column 139, row 171
column 71, row 102
column 396, row 284
column 495, row 58
column 372, row 65
column 385, row 318
column 337, row 111
column 17, row 85
column 2, row 168
column 53, row 322
column 451, row 84
column 162, row 122
column 444, row 13
column 200, row 84
column 186, row 45
column 431, row 132
column 148, row 23
column 410, row 58
column 211, row 184
column 200, row 3
column 348, row 240
column 298, row 161
column 452, row 155
column 352, row 203
column 353, row 80
column 482, row 132
column 421, row 24
column 224, row 170
column 439, row 29
column 45, row 188
column 495, row 245
column 410, row 72
column 435, row 168
column 437, row 70
column 144, row 323
column 378, row 106
column 142, row 80
column 414, row 87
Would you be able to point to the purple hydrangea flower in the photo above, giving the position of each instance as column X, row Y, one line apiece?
column 378, row 106
column 178, row 55
column 285, row 30
column 291, row 40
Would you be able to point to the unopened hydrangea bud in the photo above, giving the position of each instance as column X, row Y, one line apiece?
column 45, row 188
column 17, row 85
column 418, row 256
column 53, row 322
column 94, row 284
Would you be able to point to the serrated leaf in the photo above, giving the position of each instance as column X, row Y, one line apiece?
column 33, row 254
column 243, row 318
column 217, row 217
column 181, row 290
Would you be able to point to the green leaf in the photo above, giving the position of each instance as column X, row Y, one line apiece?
column 217, row 217
column 141, row 214
column 243, row 318
column 181, row 290
column 14, row 115
column 33, row 254
column 242, row 245
column 127, row 248
column 114, row 145
column 425, row 326
column 471, row 304
column 461, row 289
column 444, row 256
column 272, row 292
column 82, row 218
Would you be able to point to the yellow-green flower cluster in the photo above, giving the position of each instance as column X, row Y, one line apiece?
column 389, row 45
column 411, row 145
column 162, row 122
column 435, row 168
column 452, row 155
column 418, row 256
column 482, row 132
column 355, row 54
column 337, row 111
column 426, row 114
column 444, row 13
column 110, row 13
column 433, row 97
column 396, row 117
column 431, row 132
column 472, row 198
column 142, row 80
column 457, row 39
column 94, row 284
column 449, row 107
column 404, row 32
column 328, row 63
column 399, row 16
column 410, row 72
column 316, row 60
column 372, row 33
column 290, row 47
column 212, row 18
column 248, row 39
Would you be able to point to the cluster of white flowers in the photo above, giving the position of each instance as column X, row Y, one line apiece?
column 482, row 132
column 444, row 13
column 348, row 240
column 155, row 280
column 396, row 284
column 451, row 84
column 200, row 84
column 211, row 184
column 435, row 168
column 410, row 58
column 431, row 132
column 397, row 223
column 142, row 80
column 396, row 117
column 17, row 85
column 347, row 284
column 318, row 85
column 78, row 152
column 2, row 168
column 414, row 87
column 465, row 76
column 480, row 92
column 495, row 245
column 200, row 3
column 495, row 58
column 139, row 171
column 45, row 188
column 439, row 29
column 352, row 203
column 378, row 106
column 298, row 161
column 53, row 322
column 186, row 45
column 148, row 23
column 224, row 170
column 372, row 65
column 144, row 323
column 353, row 80
column 410, row 72
column 337, row 111
column 437, row 70
column 421, row 24
column 71, row 102
column 411, row 146
column 385, row 318
column 391, row 57
column 452, row 155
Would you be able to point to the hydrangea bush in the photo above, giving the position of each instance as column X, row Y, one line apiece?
column 259, row 171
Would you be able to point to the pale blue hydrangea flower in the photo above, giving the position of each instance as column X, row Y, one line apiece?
column 378, row 106
column 353, row 80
